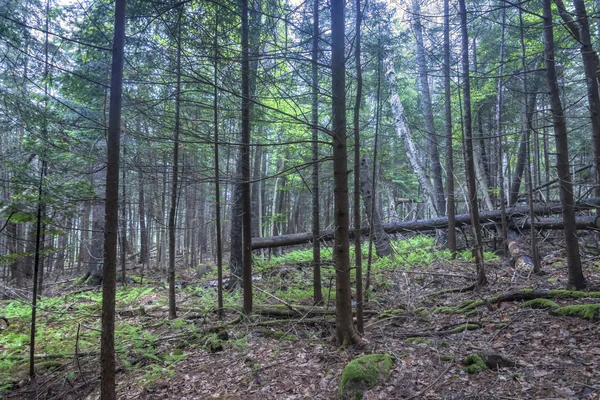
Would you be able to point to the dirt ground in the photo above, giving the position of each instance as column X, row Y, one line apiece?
column 552, row 357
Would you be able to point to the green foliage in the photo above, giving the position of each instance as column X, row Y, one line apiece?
column 587, row 311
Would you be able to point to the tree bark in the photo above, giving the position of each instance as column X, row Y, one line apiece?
column 468, row 142
column 381, row 239
column 576, row 278
column 316, row 242
column 108, row 383
column 345, row 332
column 450, row 210
column 436, row 167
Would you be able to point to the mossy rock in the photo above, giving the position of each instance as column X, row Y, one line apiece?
column 416, row 340
column 446, row 357
column 540, row 304
column 475, row 364
column 587, row 311
column 391, row 313
column 364, row 373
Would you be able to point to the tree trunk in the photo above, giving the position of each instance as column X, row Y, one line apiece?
column 589, row 66
column 436, row 167
column 576, row 278
column 108, row 383
column 173, row 209
column 403, row 132
column 450, row 210
column 382, row 242
column 246, row 206
column 144, row 253
column 468, row 142
column 345, row 332
column 316, row 228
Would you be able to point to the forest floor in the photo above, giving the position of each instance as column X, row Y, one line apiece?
column 277, row 353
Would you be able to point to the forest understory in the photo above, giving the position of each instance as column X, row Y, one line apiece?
column 284, row 350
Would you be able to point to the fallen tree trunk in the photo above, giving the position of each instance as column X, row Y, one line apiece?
column 581, row 222
column 432, row 224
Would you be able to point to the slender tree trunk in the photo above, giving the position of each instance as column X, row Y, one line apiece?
column 173, row 209
column 469, row 159
column 357, row 174
column 367, row 184
column 316, row 244
column 246, row 206
column 448, row 131
column 500, row 134
column 576, row 278
column 144, row 256
column 108, row 383
column 345, row 332
column 217, row 171
column 436, row 167
column 123, row 224
column 589, row 66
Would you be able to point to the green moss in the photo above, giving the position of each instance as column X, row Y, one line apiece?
column 444, row 343
column 444, row 310
column 572, row 294
column 539, row 303
column 552, row 280
column 41, row 367
column 416, row 340
column 586, row 311
column 391, row 313
column 500, row 325
column 475, row 364
column 280, row 335
column 421, row 311
column 364, row 373
column 446, row 357
column 464, row 327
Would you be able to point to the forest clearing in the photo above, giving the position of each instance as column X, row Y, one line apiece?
column 294, row 199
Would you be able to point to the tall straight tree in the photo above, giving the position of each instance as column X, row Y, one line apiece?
column 589, row 66
column 345, row 332
column 500, row 133
column 316, row 245
column 434, row 154
column 109, row 272
column 173, row 208
column 451, row 212
column 469, row 154
column 576, row 278
column 246, row 212
column 356, row 123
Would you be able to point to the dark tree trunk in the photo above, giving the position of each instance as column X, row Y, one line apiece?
column 450, row 210
column 500, row 134
column 357, row 174
column 246, row 206
column 468, row 142
column 576, row 278
column 316, row 212
column 367, row 183
column 589, row 66
column 108, row 383
column 144, row 253
column 345, row 332
column 173, row 208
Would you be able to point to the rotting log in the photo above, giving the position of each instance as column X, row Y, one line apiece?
column 427, row 225
column 581, row 222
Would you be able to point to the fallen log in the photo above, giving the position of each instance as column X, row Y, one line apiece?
column 581, row 222
column 432, row 224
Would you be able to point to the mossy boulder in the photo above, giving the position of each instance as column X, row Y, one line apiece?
column 364, row 373
column 391, row 313
column 475, row 364
column 587, row 311
column 540, row 304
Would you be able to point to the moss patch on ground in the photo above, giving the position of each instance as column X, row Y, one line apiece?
column 540, row 304
column 364, row 373
column 475, row 364
column 587, row 311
